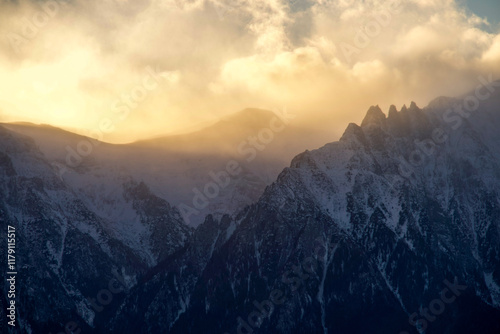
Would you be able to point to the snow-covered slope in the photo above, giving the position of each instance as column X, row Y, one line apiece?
column 255, row 144
column 66, row 247
column 362, row 235
column 358, row 236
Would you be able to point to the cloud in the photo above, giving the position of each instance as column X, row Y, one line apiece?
column 67, row 62
column 492, row 54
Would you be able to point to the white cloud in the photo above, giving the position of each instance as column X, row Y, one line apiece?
column 225, row 55
column 492, row 55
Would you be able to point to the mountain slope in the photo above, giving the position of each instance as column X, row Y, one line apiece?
column 394, row 228
column 182, row 169
column 64, row 248
column 361, row 235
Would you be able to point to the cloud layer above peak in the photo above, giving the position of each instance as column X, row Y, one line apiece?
column 73, row 63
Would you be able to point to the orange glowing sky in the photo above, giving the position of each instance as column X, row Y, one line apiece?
column 143, row 68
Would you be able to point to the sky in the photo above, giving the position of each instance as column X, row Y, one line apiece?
column 122, row 70
column 489, row 9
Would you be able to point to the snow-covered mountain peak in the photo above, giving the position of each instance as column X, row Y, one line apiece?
column 393, row 111
column 413, row 106
column 374, row 116
column 354, row 133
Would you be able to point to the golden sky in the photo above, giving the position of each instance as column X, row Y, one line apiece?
column 142, row 68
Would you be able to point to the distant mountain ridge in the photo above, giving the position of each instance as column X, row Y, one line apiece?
column 176, row 168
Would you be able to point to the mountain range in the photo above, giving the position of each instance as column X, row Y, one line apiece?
column 394, row 228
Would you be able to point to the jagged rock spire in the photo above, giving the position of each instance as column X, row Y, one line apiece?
column 413, row 106
column 373, row 116
column 392, row 111
column 355, row 132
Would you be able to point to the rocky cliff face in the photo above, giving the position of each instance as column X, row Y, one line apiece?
column 361, row 235
column 66, row 251
column 394, row 228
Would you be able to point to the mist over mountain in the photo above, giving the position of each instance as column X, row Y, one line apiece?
column 250, row 166
column 254, row 144
column 395, row 228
